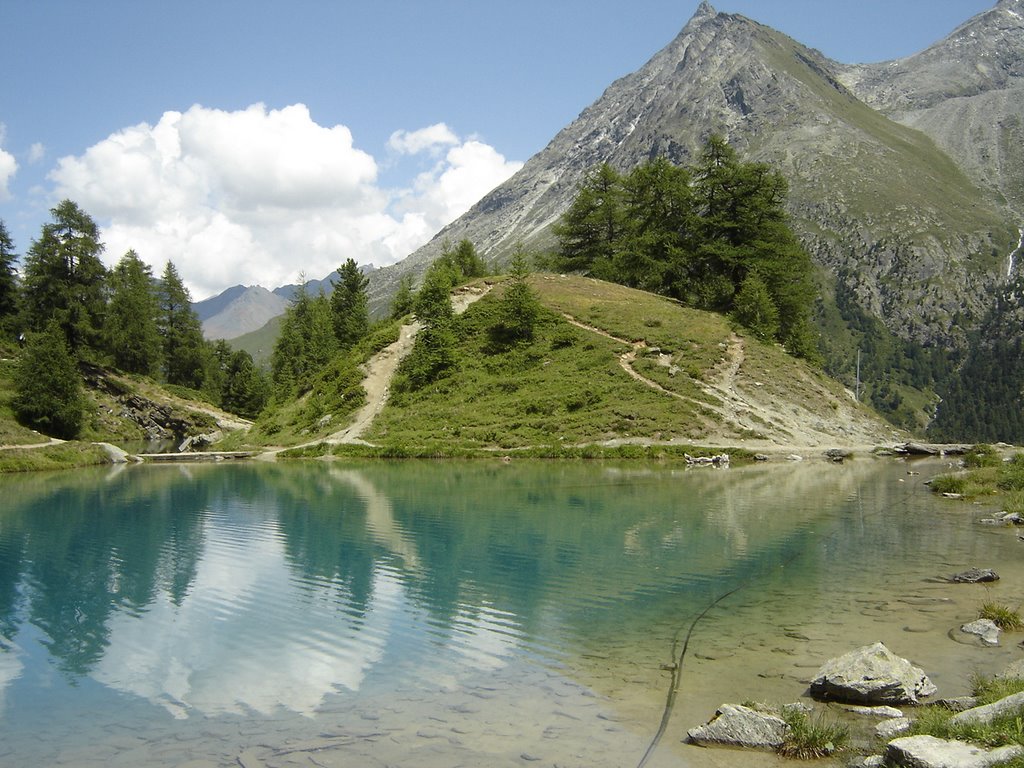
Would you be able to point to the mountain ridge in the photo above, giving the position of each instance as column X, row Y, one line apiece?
column 874, row 200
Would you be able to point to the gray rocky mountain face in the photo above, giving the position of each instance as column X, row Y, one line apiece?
column 878, row 196
column 967, row 93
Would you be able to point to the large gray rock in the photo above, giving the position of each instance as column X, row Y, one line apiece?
column 1008, row 706
column 871, row 675
column 930, row 752
column 738, row 726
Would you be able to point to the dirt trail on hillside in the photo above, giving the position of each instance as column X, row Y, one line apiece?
column 380, row 370
column 745, row 412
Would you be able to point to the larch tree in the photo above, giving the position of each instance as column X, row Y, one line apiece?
column 64, row 279
column 404, row 300
column 350, row 305
column 48, row 387
column 131, row 331
column 184, row 350
column 8, row 277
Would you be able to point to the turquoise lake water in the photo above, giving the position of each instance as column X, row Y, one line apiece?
column 444, row 614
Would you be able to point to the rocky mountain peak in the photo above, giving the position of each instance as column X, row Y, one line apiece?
column 872, row 199
column 704, row 12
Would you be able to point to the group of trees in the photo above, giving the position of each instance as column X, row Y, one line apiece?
column 316, row 328
column 68, row 308
column 713, row 235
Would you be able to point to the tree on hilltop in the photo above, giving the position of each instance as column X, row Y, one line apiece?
column 350, row 305
column 695, row 234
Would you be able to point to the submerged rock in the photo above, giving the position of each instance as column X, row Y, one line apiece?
column 738, row 726
column 871, row 675
column 930, row 752
column 986, row 629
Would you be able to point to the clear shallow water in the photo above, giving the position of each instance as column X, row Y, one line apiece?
column 455, row 614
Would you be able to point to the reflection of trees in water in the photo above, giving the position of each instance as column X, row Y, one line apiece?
column 583, row 542
column 88, row 547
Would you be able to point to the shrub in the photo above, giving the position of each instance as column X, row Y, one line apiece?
column 982, row 455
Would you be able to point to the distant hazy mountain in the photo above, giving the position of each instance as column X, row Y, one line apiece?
column 238, row 310
column 919, row 233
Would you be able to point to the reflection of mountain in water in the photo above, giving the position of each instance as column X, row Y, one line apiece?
column 225, row 589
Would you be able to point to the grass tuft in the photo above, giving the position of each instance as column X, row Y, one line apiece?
column 812, row 736
column 1003, row 616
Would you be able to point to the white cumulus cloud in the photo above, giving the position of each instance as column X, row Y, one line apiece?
column 262, row 195
column 36, row 152
column 431, row 138
column 8, row 166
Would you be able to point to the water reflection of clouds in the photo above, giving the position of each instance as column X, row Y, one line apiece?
column 10, row 667
column 220, row 651
column 251, row 635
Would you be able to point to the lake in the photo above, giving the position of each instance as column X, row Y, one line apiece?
column 462, row 613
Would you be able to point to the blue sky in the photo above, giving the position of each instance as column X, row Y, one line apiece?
column 165, row 121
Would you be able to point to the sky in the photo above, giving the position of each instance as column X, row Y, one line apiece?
column 253, row 142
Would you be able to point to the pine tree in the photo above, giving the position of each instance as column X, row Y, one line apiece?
column 755, row 309
column 435, row 351
column 519, row 306
column 404, row 300
column 64, row 279
column 8, row 277
column 48, row 387
column 468, row 261
column 350, row 306
column 131, row 332
column 246, row 389
column 590, row 230
column 306, row 343
column 184, row 349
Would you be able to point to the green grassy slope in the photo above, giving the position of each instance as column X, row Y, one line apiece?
column 567, row 387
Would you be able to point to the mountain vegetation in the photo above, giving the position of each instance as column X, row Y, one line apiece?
column 713, row 235
column 862, row 217
column 904, row 184
column 72, row 314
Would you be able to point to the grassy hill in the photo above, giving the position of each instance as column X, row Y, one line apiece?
column 613, row 365
column 608, row 367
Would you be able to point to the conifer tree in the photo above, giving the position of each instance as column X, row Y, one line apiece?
column 519, row 305
column 350, row 306
column 245, row 388
column 8, row 277
column 591, row 228
column 404, row 300
column 468, row 261
column 64, row 279
column 755, row 309
column 435, row 351
column 48, row 387
column 184, row 349
column 306, row 343
column 131, row 332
